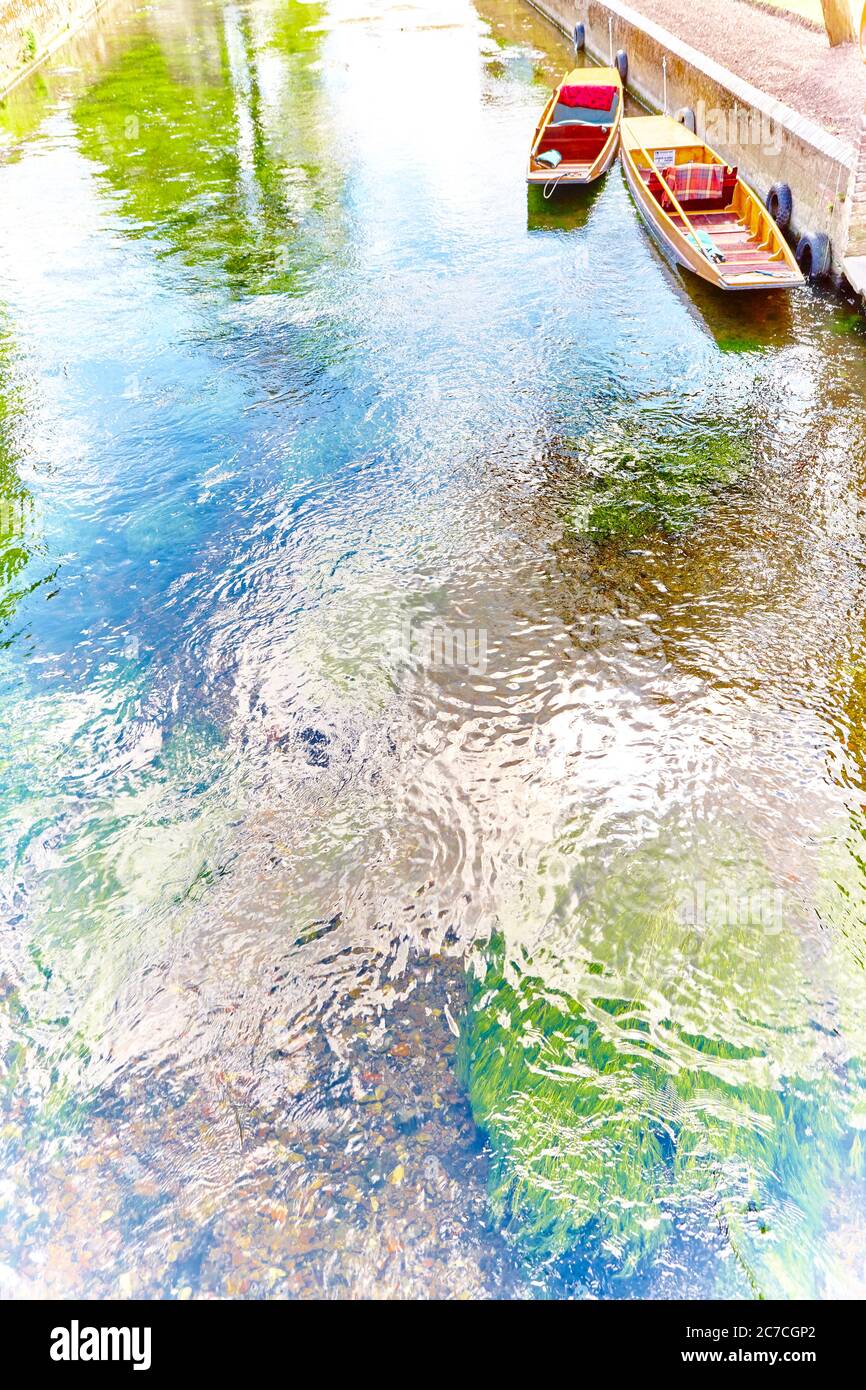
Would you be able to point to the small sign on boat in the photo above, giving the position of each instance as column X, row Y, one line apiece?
column 665, row 159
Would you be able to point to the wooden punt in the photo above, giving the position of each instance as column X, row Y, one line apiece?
column 581, row 123
column 700, row 211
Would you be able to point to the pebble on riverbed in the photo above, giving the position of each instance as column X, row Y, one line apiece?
column 367, row 1181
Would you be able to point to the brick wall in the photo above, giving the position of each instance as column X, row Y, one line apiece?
column 29, row 27
column 857, row 229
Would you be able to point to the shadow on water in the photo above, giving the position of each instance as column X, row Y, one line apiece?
column 566, row 210
column 736, row 322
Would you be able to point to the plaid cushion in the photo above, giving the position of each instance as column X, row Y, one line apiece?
column 593, row 95
column 695, row 182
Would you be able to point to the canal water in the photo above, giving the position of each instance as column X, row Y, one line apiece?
column 432, row 693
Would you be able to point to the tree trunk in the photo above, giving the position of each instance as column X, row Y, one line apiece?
column 838, row 21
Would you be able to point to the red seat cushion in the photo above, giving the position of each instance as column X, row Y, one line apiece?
column 573, row 147
column 593, row 95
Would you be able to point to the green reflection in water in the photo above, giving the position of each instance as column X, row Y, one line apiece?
column 182, row 138
column 29, row 104
column 179, row 133
column 19, row 532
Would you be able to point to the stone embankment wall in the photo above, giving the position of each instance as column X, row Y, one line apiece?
column 29, row 29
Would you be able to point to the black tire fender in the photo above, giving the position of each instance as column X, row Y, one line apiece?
column 814, row 255
column 620, row 62
column 579, row 38
column 780, row 205
column 686, row 117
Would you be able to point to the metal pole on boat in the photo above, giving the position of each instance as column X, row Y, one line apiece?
column 665, row 84
column 610, row 37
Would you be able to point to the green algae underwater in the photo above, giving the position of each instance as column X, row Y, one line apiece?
column 652, row 1066
column 647, row 472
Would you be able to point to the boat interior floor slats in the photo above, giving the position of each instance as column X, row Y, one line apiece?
column 741, row 247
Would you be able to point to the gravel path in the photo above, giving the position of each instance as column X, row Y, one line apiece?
column 775, row 53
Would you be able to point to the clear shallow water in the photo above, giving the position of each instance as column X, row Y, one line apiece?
column 432, row 697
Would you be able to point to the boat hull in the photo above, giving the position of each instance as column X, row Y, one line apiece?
column 570, row 174
column 666, row 244
column 728, row 275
